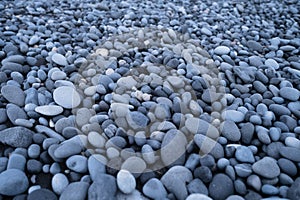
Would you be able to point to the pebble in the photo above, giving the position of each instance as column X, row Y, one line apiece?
column 230, row 130
column 290, row 153
column 154, row 189
column 208, row 145
column 13, row 94
column 66, row 97
column 11, row 178
column 272, row 63
column 41, row 194
column 67, row 149
column 221, row 50
column 255, row 46
column 96, row 165
column 77, row 163
column 199, row 126
column 134, row 165
column 289, row 93
column 175, row 181
column 198, row 197
column 59, row 59
column 59, row 182
column 49, row 110
column 16, row 161
column 137, row 120
column 266, row 167
column 244, row 154
column 126, row 181
column 221, row 187
column 293, row 191
column 16, row 137
column 104, row 187
column 75, row 191
column 233, row 115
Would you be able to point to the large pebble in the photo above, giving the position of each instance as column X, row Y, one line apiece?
column 16, row 136
column 154, row 189
column 199, row 126
column 13, row 94
column 209, row 146
column 96, row 165
column 290, row 153
column 67, row 149
column 221, row 50
column 75, row 191
column 66, row 97
column 104, row 187
column 233, row 115
column 13, row 182
column 266, row 167
column 59, row 183
column 134, row 165
column 126, row 181
column 230, row 130
column 221, row 187
column 77, row 163
column 289, row 93
column 244, row 154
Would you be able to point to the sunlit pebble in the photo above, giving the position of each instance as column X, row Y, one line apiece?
column 109, row 71
column 51, row 123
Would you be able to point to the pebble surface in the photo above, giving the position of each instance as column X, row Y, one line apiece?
column 149, row 100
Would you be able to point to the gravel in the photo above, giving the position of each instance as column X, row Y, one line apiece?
column 138, row 100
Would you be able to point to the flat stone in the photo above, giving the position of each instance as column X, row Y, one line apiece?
column 59, row 59
column 49, row 110
column 266, row 167
column 16, row 137
column 13, row 94
column 77, row 163
column 66, row 97
column 255, row 46
column 67, row 149
column 126, row 181
column 137, row 120
column 11, row 178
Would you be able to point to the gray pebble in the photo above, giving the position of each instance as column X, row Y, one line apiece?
column 77, row 163
column 75, row 191
column 11, row 178
column 154, row 189
column 13, row 94
column 266, row 167
column 59, row 182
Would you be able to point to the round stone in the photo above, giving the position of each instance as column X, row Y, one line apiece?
column 66, row 97
column 222, row 50
column 59, row 59
column 126, row 181
column 13, row 182
column 266, row 167
column 289, row 93
column 134, row 165
column 59, row 183
column 221, row 187
column 42, row 194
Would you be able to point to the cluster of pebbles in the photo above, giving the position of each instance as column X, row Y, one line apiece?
column 149, row 100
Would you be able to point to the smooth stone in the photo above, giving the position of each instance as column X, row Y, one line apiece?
column 96, row 165
column 197, row 186
column 154, row 189
column 16, row 161
column 272, row 63
column 279, row 109
column 209, row 146
column 59, row 182
column 230, row 131
column 173, row 139
column 77, row 163
column 221, row 187
column 41, row 194
column 13, row 94
column 66, row 97
column 14, row 112
column 11, row 178
column 58, row 75
column 243, row 170
column 198, row 197
column 293, row 192
column 75, row 191
column 67, row 149
column 254, row 181
column 269, row 189
column 3, row 115
column 199, row 126
column 33, row 40
column 49, row 110
column 255, row 46
column 126, row 181
column 266, row 167
column 221, row 50
column 96, row 139
column 289, row 93
column 134, row 165
column 290, row 153
column 16, row 137
column 244, row 154
column 233, row 115
column 137, row 120
column 135, row 195
column 59, row 59
column 287, row 166
column 104, row 187
column 175, row 180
